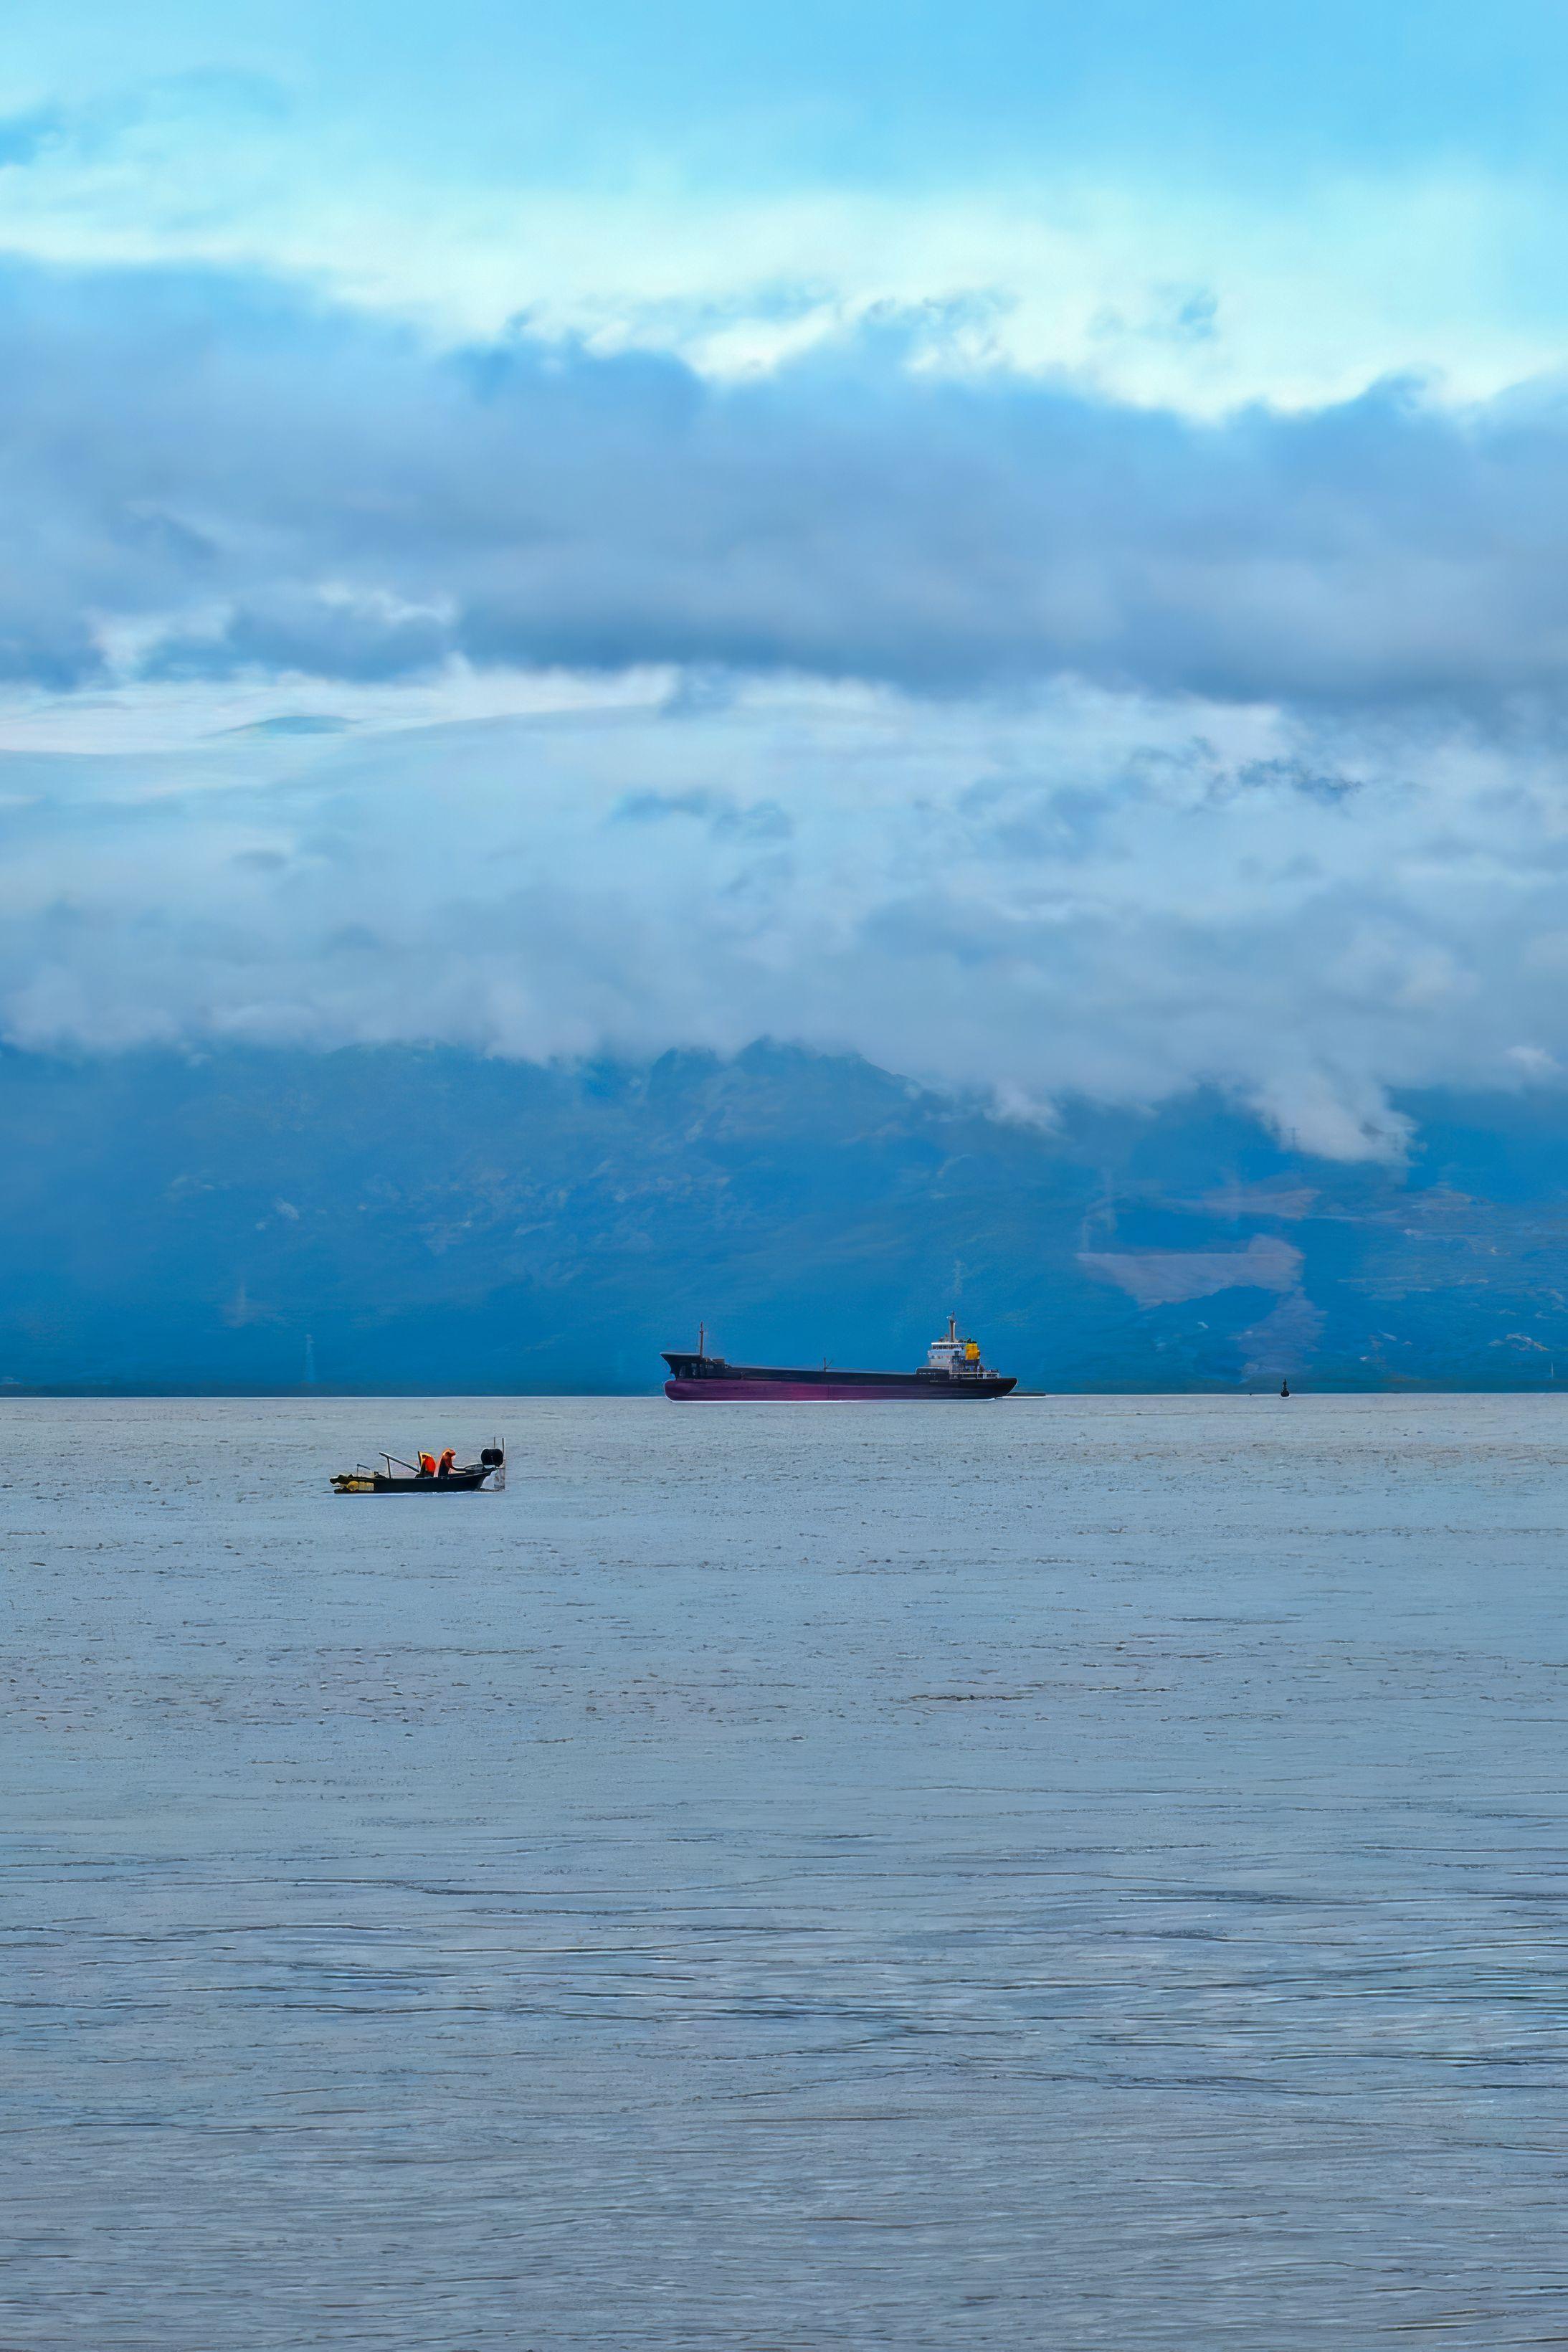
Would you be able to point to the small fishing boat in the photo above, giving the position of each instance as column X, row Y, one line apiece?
column 486, row 1476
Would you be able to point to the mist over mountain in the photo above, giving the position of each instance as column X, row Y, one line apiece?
column 433, row 1220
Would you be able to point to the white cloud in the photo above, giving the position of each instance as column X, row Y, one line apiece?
column 1138, row 288
column 1080, row 893
column 1535, row 1061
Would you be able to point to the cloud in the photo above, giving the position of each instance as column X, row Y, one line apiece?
column 1164, row 1277
column 207, row 477
column 1073, row 897
column 1213, row 260
column 1284, row 1340
column 290, row 722
column 1016, row 739
column 728, row 820
column 1237, row 1200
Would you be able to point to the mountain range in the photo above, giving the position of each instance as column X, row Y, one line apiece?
column 398, row 1220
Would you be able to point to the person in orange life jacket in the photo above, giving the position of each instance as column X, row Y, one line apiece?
column 427, row 1465
column 447, row 1459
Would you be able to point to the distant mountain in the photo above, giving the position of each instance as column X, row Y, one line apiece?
column 430, row 1220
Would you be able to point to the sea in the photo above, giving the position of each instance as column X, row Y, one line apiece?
column 1069, row 1873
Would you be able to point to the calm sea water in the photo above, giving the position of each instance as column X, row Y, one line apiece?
column 1058, row 1874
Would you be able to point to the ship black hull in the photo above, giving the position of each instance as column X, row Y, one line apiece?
column 709, row 1380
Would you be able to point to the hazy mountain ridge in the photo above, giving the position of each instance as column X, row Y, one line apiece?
column 432, row 1219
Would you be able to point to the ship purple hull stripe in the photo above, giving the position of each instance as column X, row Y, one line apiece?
column 817, row 1392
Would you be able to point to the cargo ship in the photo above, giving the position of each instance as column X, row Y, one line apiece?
column 952, row 1371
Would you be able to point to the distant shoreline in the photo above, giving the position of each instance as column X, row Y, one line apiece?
column 17, row 1394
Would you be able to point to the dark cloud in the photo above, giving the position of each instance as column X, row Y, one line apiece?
column 257, row 482
column 1297, row 777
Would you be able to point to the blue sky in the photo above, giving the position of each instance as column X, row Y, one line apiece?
column 1050, row 511
column 906, row 88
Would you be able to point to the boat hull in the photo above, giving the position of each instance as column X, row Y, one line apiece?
column 485, row 1477
column 894, row 1390
column 459, row 1482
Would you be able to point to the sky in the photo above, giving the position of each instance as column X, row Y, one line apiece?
column 1026, row 542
